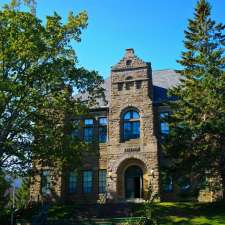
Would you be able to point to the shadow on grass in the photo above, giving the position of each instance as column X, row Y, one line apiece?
column 191, row 213
column 167, row 213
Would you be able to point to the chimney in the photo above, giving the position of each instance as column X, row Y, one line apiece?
column 129, row 52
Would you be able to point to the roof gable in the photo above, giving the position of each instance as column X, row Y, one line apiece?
column 129, row 61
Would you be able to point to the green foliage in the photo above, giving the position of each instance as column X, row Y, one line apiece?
column 196, row 141
column 149, row 214
column 4, row 198
column 38, row 75
column 168, row 213
column 22, row 195
column 15, row 5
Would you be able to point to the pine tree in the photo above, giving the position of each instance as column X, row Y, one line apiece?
column 23, row 194
column 196, row 143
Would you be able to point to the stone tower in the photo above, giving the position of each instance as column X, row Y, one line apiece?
column 132, row 159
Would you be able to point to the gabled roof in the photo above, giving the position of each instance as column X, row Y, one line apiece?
column 163, row 80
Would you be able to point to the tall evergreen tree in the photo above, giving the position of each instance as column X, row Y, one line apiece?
column 196, row 142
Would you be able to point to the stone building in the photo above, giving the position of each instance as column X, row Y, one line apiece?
column 129, row 129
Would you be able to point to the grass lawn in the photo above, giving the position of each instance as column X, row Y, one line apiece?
column 188, row 213
column 166, row 212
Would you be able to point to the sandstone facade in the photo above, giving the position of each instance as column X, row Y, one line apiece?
column 125, row 95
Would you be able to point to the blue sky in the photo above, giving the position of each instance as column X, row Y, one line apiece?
column 154, row 28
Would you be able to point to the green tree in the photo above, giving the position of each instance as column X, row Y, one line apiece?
column 38, row 79
column 196, row 142
column 15, row 4
column 22, row 194
column 4, row 196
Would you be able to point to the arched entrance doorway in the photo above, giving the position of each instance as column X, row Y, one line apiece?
column 133, row 178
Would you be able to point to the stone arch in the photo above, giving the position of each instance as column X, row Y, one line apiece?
column 128, row 107
column 126, row 157
column 122, row 165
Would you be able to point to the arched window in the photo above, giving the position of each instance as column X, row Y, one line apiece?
column 131, row 125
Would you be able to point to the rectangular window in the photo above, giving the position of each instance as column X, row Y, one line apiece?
column 88, row 122
column 88, row 134
column 164, row 126
column 46, row 182
column 72, row 186
column 102, row 129
column 103, row 121
column 102, row 181
column 88, row 130
column 87, row 181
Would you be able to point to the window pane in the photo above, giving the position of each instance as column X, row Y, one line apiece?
column 102, row 134
column 72, row 182
column 164, row 126
column 103, row 121
column 127, row 116
column 135, row 115
column 87, row 181
column 127, row 130
column 102, row 181
column 131, row 115
column 88, row 122
column 88, row 134
column 45, row 183
column 136, row 129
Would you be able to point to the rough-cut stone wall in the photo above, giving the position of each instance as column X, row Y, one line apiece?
column 94, row 161
column 126, row 94
column 56, row 182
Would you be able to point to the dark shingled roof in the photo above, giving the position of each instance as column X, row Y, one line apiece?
column 162, row 81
